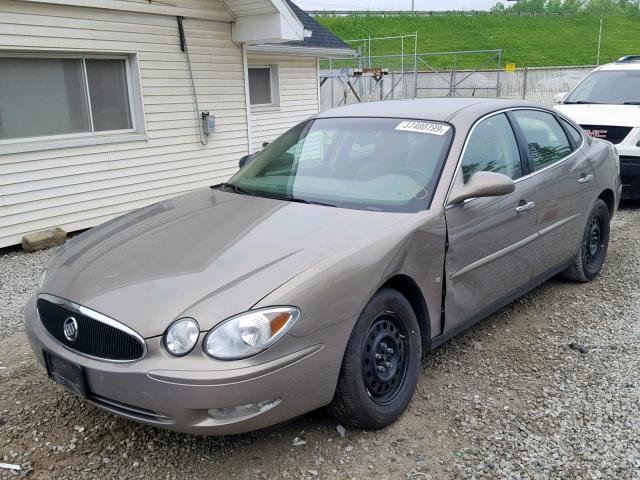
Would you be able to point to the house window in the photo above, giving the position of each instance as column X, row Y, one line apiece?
column 263, row 85
column 53, row 99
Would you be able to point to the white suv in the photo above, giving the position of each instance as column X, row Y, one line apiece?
column 607, row 105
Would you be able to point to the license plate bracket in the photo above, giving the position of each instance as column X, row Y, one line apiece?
column 68, row 374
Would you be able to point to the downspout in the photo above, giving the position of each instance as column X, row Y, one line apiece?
column 247, row 100
column 318, row 83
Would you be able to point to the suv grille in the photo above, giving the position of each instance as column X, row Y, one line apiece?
column 94, row 338
column 612, row 134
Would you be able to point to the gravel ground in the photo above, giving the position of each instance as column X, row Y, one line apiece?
column 547, row 388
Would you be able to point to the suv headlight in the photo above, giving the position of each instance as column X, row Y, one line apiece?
column 249, row 333
column 181, row 336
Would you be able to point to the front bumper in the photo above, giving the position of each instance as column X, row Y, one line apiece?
column 630, row 175
column 179, row 399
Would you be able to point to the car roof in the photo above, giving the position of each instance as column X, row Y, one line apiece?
column 438, row 109
column 621, row 66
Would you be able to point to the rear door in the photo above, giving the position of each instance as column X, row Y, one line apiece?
column 565, row 185
column 488, row 255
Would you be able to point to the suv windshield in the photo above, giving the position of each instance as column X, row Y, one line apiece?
column 381, row 164
column 613, row 87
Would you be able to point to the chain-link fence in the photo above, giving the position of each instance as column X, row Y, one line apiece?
column 535, row 84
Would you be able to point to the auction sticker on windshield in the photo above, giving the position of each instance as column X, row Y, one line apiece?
column 423, row 127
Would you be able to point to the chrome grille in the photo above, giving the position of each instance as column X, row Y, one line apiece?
column 96, row 336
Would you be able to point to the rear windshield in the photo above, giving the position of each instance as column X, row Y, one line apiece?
column 617, row 87
column 380, row 164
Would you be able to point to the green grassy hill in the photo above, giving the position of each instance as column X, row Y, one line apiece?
column 532, row 41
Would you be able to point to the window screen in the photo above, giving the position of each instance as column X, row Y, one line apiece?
column 492, row 147
column 260, row 85
column 42, row 97
column 545, row 137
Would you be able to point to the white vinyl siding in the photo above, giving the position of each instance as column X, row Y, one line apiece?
column 83, row 186
column 298, row 97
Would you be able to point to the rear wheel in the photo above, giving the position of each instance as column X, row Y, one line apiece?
column 593, row 250
column 381, row 363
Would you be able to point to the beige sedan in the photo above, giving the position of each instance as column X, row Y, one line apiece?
column 320, row 273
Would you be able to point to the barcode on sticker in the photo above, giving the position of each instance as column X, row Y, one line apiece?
column 423, row 127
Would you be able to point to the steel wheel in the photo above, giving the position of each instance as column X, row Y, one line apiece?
column 593, row 245
column 384, row 358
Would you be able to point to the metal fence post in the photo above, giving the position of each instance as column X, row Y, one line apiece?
column 498, row 84
column 415, row 66
column 332, row 80
column 525, row 74
column 599, row 43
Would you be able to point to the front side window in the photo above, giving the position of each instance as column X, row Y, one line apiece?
column 545, row 137
column 492, row 147
column 43, row 97
column 614, row 87
column 382, row 164
column 263, row 85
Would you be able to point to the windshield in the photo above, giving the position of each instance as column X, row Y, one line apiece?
column 617, row 87
column 380, row 164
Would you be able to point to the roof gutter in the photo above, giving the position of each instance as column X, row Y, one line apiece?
column 322, row 52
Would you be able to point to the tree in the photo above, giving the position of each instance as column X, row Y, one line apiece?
column 498, row 7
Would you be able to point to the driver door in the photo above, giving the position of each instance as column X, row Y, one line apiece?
column 488, row 256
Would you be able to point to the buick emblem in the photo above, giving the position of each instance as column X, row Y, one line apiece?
column 70, row 328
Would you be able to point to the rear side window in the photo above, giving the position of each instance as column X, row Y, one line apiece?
column 545, row 137
column 492, row 147
column 575, row 134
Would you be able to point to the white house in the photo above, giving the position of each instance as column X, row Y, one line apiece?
column 102, row 101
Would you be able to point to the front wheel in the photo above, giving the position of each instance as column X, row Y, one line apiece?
column 593, row 250
column 381, row 364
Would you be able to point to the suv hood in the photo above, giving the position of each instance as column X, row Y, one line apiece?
column 610, row 115
column 152, row 266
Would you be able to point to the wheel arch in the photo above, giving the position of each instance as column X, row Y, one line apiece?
column 608, row 197
column 408, row 287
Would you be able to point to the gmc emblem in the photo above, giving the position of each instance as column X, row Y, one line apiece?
column 597, row 133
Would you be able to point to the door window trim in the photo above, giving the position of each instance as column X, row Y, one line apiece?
column 523, row 177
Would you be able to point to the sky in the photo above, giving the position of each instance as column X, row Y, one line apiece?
column 395, row 4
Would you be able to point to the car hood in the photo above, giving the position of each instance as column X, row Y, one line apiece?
column 610, row 115
column 152, row 266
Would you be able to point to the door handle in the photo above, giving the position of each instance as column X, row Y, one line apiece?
column 585, row 178
column 526, row 207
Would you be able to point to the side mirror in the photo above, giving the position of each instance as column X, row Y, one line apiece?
column 483, row 184
column 246, row 159
column 265, row 144
column 559, row 97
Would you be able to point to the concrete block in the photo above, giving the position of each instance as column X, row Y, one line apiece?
column 44, row 239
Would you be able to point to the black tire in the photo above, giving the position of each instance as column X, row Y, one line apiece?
column 593, row 249
column 366, row 395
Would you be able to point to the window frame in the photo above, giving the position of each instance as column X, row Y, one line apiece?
column 137, row 132
column 274, row 86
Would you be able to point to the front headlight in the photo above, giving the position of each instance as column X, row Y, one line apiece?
column 249, row 333
column 181, row 336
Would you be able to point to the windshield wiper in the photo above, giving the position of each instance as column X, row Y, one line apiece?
column 582, row 102
column 234, row 187
column 631, row 103
column 308, row 202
